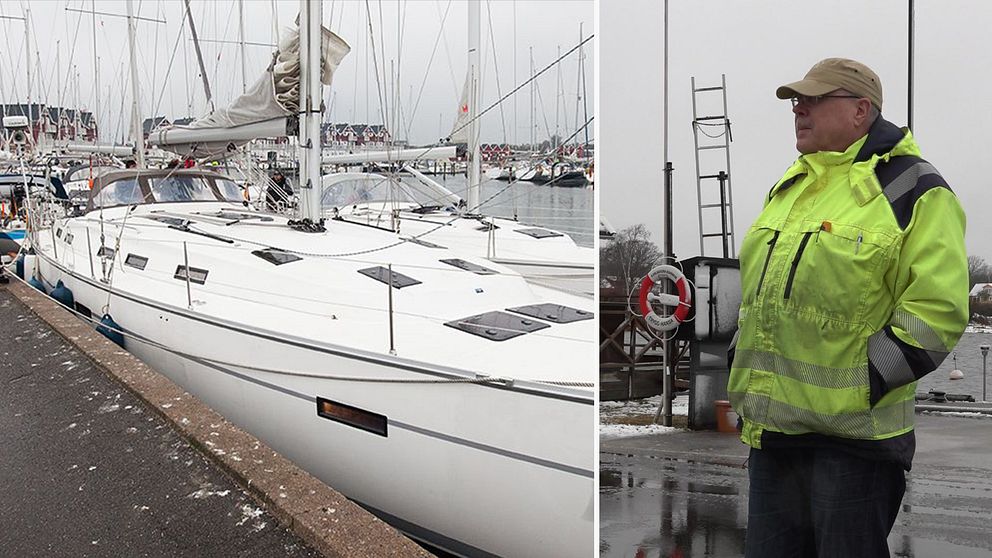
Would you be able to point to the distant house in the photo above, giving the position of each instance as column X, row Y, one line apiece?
column 981, row 292
column 154, row 123
column 352, row 135
column 55, row 122
column 495, row 152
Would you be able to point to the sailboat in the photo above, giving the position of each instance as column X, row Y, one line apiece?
column 438, row 389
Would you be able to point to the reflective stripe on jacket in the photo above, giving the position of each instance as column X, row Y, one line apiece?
column 855, row 285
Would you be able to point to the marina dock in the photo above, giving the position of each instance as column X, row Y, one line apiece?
column 103, row 456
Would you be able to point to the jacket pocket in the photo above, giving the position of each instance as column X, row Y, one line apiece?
column 836, row 270
column 795, row 263
column 755, row 257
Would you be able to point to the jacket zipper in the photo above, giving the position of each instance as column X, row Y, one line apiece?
column 795, row 263
column 768, row 257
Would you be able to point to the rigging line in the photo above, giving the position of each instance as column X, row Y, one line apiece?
column 375, row 61
column 72, row 55
column 499, row 92
column 447, row 51
column 521, row 86
column 544, row 112
column 384, row 96
column 430, row 62
column 168, row 71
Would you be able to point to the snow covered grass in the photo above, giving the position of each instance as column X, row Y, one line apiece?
column 621, row 419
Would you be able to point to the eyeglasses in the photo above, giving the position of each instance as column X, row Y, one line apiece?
column 813, row 101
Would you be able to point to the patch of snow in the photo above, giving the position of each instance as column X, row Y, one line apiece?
column 630, row 430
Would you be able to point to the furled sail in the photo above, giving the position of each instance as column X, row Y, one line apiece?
column 264, row 111
column 459, row 132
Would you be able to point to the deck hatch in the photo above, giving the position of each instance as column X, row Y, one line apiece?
column 276, row 257
column 353, row 416
column 136, row 261
column 539, row 233
column 423, row 243
column 380, row 274
column 235, row 217
column 497, row 325
column 553, row 313
column 469, row 266
column 487, row 226
column 196, row 275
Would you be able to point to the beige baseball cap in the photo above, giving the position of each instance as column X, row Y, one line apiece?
column 831, row 74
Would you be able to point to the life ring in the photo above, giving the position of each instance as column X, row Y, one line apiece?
column 682, row 301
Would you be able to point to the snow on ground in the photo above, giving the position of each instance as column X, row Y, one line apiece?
column 622, row 419
column 629, row 430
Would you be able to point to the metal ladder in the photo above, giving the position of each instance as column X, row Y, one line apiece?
column 714, row 178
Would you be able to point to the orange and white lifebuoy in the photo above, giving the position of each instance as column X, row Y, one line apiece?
column 682, row 301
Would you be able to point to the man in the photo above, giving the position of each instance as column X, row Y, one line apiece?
column 855, row 283
column 278, row 192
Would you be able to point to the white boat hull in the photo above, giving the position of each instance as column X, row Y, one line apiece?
column 476, row 469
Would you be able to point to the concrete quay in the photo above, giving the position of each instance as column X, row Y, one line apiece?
column 103, row 456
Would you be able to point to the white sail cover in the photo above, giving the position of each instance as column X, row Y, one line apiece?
column 260, row 112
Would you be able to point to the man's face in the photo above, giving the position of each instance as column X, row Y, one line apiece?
column 826, row 123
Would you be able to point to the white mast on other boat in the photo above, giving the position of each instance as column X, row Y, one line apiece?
column 474, row 162
column 136, row 131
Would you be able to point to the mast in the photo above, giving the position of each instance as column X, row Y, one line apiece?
column 96, row 73
column 139, row 142
column 241, row 34
column 474, row 164
column 27, row 55
column 309, row 148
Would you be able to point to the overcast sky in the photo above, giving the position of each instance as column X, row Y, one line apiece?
column 405, row 34
column 759, row 46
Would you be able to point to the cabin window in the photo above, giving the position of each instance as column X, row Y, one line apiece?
column 352, row 416
column 181, row 189
column 105, row 252
column 198, row 276
column 122, row 192
column 230, row 190
column 136, row 261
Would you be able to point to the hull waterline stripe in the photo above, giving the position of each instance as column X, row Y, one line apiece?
column 492, row 449
column 393, row 364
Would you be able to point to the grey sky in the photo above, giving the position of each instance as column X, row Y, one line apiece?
column 544, row 25
column 759, row 46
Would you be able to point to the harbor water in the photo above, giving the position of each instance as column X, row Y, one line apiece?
column 569, row 210
column 969, row 361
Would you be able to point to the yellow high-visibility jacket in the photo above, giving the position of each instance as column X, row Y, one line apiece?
column 855, row 285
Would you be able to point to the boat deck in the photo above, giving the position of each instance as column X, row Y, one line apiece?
column 103, row 457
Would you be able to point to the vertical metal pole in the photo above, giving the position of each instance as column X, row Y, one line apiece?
column 667, row 364
column 722, row 177
column 96, row 76
column 89, row 251
column 189, row 292
column 241, row 34
column 909, row 95
column 389, row 285
column 985, row 354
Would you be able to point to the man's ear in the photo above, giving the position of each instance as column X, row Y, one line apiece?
column 863, row 113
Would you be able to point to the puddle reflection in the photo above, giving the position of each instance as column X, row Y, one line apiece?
column 662, row 509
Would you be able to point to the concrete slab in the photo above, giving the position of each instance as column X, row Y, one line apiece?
column 321, row 520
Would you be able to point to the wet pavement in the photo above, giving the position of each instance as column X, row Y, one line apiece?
column 684, row 495
column 87, row 470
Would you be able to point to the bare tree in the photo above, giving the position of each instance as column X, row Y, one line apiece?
column 979, row 271
column 629, row 256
